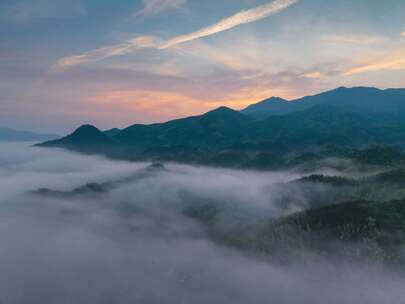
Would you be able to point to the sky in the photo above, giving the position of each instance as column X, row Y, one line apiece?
column 64, row 63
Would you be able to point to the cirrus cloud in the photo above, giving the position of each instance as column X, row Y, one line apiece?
column 132, row 45
column 243, row 17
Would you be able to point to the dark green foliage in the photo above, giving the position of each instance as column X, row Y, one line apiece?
column 379, row 155
column 219, row 128
column 355, row 230
column 325, row 125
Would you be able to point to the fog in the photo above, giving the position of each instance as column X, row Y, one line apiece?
column 132, row 242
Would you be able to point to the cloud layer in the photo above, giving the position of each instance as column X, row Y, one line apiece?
column 134, row 245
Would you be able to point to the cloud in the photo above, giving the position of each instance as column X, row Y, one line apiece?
column 157, row 105
column 123, row 246
column 352, row 39
column 153, row 7
column 314, row 75
column 130, row 46
column 243, row 17
column 22, row 11
column 385, row 64
column 403, row 34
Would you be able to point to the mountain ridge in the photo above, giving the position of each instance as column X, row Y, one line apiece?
column 344, row 118
column 341, row 96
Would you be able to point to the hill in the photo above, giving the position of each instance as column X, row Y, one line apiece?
column 86, row 139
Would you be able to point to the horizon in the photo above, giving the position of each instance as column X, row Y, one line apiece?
column 68, row 63
column 238, row 110
column 76, row 127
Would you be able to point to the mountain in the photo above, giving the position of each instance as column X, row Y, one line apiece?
column 362, row 99
column 328, row 124
column 7, row 134
column 86, row 139
column 324, row 124
column 269, row 107
column 220, row 127
column 112, row 132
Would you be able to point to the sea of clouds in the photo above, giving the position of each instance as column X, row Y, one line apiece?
column 133, row 244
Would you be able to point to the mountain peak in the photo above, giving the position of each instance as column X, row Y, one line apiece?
column 275, row 98
column 88, row 133
column 261, row 109
column 87, row 128
column 225, row 114
column 222, row 109
column 86, row 136
column 271, row 100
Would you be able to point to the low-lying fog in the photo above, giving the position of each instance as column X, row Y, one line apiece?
column 133, row 244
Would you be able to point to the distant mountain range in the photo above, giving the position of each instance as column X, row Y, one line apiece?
column 264, row 134
column 7, row 134
column 370, row 100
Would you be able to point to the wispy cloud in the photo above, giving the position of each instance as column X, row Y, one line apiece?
column 403, row 34
column 389, row 60
column 314, row 75
column 389, row 64
column 243, row 17
column 109, row 51
column 352, row 39
column 153, row 7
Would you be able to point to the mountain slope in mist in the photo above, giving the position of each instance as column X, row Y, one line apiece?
column 345, row 217
column 87, row 229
